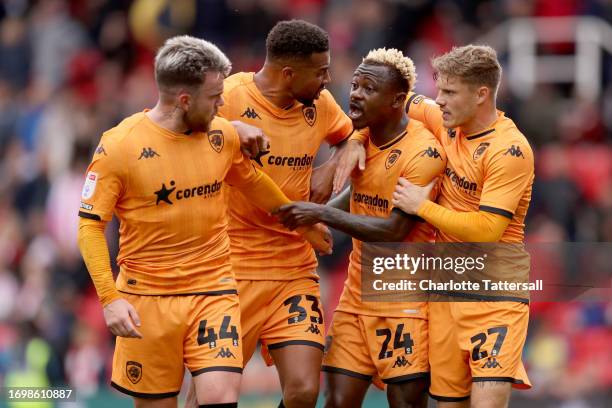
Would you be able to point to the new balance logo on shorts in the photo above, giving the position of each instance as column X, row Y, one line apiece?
column 515, row 151
column 148, row 153
column 491, row 363
column 401, row 362
column 250, row 113
column 313, row 329
column 225, row 353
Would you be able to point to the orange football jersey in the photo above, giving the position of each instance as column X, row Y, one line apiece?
column 262, row 249
column 166, row 189
column 417, row 156
column 491, row 170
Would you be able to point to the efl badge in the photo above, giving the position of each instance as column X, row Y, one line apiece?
column 215, row 137
column 90, row 185
column 133, row 370
column 480, row 150
column 310, row 114
column 392, row 158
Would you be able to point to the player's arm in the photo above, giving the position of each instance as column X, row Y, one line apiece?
column 506, row 178
column 364, row 228
column 427, row 111
column 261, row 190
column 103, row 186
column 342, row 201
column 338, row 128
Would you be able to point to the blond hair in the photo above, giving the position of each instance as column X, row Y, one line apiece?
column 183, row 61
column 394, row 58
column 474, row 64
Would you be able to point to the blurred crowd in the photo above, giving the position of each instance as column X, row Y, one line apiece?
column 70, row 69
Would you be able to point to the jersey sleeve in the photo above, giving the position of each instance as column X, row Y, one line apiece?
column 425, row 110
column 339, row 126
column 241, row 170
column 104, row 182
column 507, row 174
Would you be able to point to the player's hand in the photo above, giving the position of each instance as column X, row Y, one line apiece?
column 319, row 237
column 299, row 213
column 409, row 197
column 121, row 319
column 253, row 141
column 321, row 182
column 353, row 156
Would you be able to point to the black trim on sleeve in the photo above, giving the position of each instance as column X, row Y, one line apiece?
column 336, row 370
column 448, row 399
column 90, row 216
column 486, row 132
column 410, row 101
column 216, row 368
column 496, row 210
column 143, row 394
column 406, row 378
column 498, row 379
column 345, row 139
column 282, row 344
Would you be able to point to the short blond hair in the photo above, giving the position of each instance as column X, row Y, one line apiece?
column 183, row 61
column 474, row 64
column 395, row 59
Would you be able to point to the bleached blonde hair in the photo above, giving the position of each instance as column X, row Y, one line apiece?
column 394, row 58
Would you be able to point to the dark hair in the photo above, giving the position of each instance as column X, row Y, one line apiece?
column 296, row 39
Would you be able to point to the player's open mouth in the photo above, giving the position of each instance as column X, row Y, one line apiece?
column 446, row 115
column 355, row 112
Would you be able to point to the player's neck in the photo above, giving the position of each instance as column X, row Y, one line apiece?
column 483, row 120
column 268, row 82
column 387, row 130
column 167, row 117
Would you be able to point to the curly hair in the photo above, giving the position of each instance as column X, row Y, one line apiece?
column 474, row 64
column 295, row 39
column 403, row 69
column 183, row 61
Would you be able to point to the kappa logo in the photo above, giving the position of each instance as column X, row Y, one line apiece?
column 392, row 158
column 225, row 352
column 313, row 329
column 216, row 139
column 100, row 150
column 250, row 113
column 133, row 369
column 491, row 363
column 148, row 153
column 451, row 133
column 480, row 150
column 515, row 151
column 431, row 152
column 401, row 361
column 310, row 114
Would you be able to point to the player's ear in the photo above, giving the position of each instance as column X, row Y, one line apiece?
column 287, row 72
column 184, row 100
column 482, row 94
column 399, row 100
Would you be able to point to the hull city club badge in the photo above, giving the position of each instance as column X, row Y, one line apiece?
column 215, row 137
column 133, row 370
column 392, row 158
column 310, row 114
